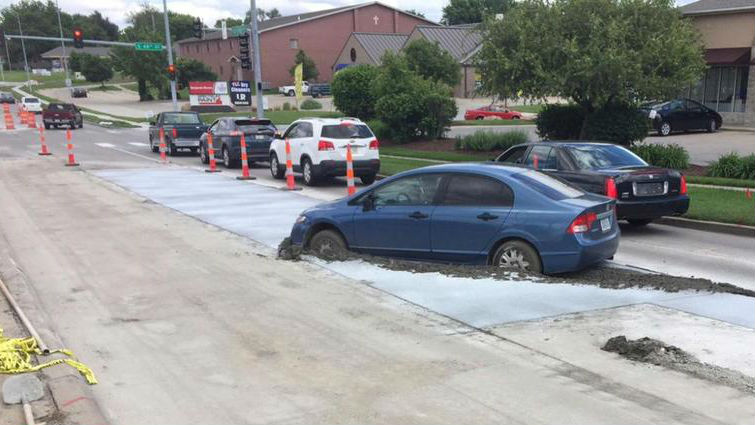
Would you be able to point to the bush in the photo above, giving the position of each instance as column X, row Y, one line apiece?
column 486, row 141
column 733, row 166
column 381, row 130
column 352, row 93
column 286, row 106
column 560, row 122
column 619, row 124
column 310, row 104
column 666, row 156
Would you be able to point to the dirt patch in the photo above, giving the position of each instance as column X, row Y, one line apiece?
column 601, row 276
column 653, row 351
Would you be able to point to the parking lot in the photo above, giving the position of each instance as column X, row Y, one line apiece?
column 164, row 279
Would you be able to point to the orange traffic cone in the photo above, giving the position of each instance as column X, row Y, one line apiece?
column 163, row 157
column 350, row 189
column 290, row 183
column 9, row 121
column 244, row 162
column 44, row 150
column 71, row 160
column 211, row 153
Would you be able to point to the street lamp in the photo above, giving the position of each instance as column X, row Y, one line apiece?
column 170, row 55
column 23, row 48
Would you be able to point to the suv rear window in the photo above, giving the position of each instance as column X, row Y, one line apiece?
column 174, row 118
column 255, row 127
column 342, row 131
column 60, row 107
column 31, row 100
column 547, row 185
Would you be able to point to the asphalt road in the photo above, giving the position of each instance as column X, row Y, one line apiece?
column 662, row 248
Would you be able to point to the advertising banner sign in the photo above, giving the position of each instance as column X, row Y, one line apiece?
column 241, row 93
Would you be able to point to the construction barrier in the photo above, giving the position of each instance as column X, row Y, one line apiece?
column 31, row 119
column 15, row 357
column 211, row 153
column 290, row 182
column 71, row 160
column 350, row 189
column 244, row 161
column 8, row 117
column 163, row 157
column 43, row 150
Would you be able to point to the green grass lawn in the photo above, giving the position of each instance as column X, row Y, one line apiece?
column 727, row 206
column 278, row 117
column 492, row 122
column 391, row 166
column 721, row 181
column 437, row 156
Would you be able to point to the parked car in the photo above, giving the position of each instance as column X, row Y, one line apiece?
column 6, row 97
column 79, row 92
column 505, row 216
column 642, row 192
column 681, row 115
column 318, row 149
column 291, row 90
column 62, row 114
column 492, row 112
column 226, row 140
column 32, row 104
column 182, row 131
column 319, row 90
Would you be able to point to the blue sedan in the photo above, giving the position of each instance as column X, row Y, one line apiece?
column 492, row 214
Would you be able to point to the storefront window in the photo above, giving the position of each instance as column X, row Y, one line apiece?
column 740, row 96
column 723, row 88
column 712, row 78
column 726, row 89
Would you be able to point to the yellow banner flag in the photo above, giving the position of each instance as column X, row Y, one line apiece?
column 298, row 80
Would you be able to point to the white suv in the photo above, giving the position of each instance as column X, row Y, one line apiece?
column 318, row 149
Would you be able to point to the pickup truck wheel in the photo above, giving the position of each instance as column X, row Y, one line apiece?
column 152, row 145
column 72, row 125
column 193, row 150
column 291, row 93
column 47, row 126
column 81, row 125
column 368, row 179
column 276, row 170
column 170, row 149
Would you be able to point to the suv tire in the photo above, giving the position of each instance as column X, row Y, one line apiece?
column 291, row 93
column 368, row 179
column 308, row 173
column 227, row 160
column 276, row 170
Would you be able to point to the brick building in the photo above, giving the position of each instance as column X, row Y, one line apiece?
column 321, row 35
column 728, row 33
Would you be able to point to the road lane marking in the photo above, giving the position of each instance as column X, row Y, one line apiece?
column 111, row 146
column 105, row 145
column 138, row 144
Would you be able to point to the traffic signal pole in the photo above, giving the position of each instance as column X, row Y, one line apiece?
column 170, row 55
column 63, row 45
column 23, row 48
column 257, row 65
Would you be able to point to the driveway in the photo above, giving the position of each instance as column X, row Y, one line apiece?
column 704, row 148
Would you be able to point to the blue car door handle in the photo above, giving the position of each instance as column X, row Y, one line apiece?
column 418, row 215
column 487, row 216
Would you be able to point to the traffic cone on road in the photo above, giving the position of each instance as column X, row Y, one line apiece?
column 44, row 150
column 350, row 189
column 31, row 119
column 211, row 153
column 290, row 182
column 163, row 157
column 8, row 119
column 71, row 160
column 244, row 162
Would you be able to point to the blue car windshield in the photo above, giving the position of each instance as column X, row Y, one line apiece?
column 597, row 157
column 547, row 185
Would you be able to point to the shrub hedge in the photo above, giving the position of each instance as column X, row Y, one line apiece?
column 486, row 141
column 619, row 124
column 666, row 156
column 733, row 166
column 310, row 104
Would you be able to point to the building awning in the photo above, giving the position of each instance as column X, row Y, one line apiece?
column 731, row 56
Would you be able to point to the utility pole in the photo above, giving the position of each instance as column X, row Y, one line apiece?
column 170, row 55
column 7, row 55
column 255, row 42
column 23, row 48
column 63, row 58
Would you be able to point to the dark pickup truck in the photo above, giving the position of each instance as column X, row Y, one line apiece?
column 319, row 90
column 62, row 114
column 182, row 131
column 226, row 140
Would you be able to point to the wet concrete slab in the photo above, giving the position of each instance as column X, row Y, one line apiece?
column 266, row 215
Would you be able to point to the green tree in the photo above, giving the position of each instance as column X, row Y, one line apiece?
column 309, row 71
column 352, row 91
column 597, row 53
column 96, row 69
column 229, row 22
column 151, row 19
column 273, row 13
column 193, row 70
column 431, row 62
column 145, row 67
column 458, row 12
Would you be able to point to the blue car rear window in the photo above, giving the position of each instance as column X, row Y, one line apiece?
column 547, row 185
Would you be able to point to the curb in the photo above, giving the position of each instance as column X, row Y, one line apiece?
column 713, row 186
column 709, row 226
column 71, row 394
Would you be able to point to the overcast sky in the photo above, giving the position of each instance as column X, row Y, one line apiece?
column 211, row 10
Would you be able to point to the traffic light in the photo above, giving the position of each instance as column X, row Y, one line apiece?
column 246, row 63
column 78, row 38
column 171, row 71
column 198, row 33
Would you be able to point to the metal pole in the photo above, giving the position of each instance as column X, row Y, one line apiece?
column 23, row 48
column 170, row 55
column 255, row 41
column 63, row 58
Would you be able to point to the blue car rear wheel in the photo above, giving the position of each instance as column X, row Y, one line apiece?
column 518, row 255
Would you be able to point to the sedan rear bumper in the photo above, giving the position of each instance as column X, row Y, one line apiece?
column 652, row 209
column 588, row 252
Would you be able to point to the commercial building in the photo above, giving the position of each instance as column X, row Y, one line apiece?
column 321, row 35
column 728, row 33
